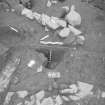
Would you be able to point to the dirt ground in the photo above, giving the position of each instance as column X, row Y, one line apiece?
column 86, row 63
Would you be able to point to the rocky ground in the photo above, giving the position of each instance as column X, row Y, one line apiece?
column 75, row 62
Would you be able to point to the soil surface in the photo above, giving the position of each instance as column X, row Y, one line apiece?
column 75, row 62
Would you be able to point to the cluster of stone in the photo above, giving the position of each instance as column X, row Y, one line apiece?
column 76, row 92
column 67, row 25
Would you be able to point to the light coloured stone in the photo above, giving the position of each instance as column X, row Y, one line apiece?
column 65, row 32
column 45, row 19
column 49, row 3
column 21, row 103
column 85, row 89
column 74, row 30
column 47, row 101
column 73, row 88
column 54, row 1
column 103, row 94
column 73, row 17
column 52, row 24
column 28, row 13
column 37, row 16
column 31, row 102
column 40, row 95
column 66, row 98
column 62, row 23
column 80, row 39
column 66, row 91
column 74, row 98
column 66, row 8
column 22, row 94
column 58, row 21
column 31, row 63
column 40, row 69
column 8, row 98
column 85, row 86
column 58, row 100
